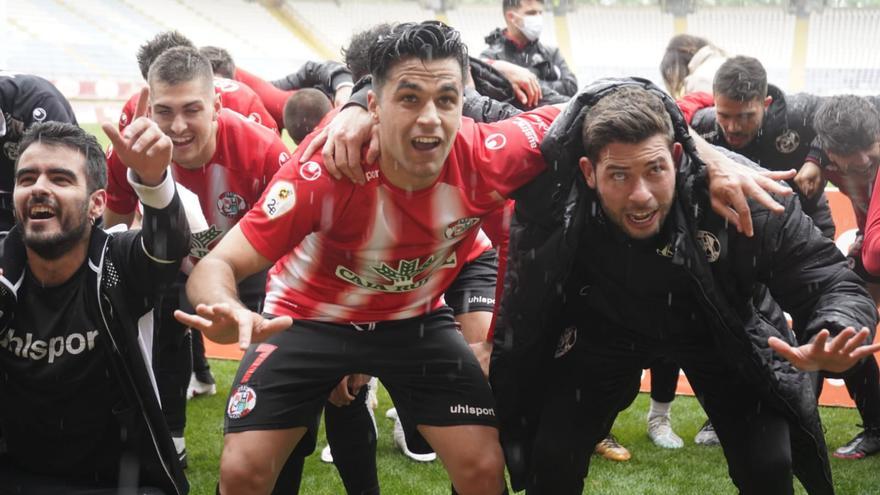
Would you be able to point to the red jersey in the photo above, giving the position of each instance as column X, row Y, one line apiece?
column 234, row 95
column 273, row 98
column 246, row 158
column 376, row 252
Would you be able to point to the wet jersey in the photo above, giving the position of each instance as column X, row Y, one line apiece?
column 376, row 252
column 246, row 158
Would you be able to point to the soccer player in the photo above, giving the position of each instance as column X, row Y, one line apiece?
column 848, row 141
column 225, row 159
column 24, row 100
column 74, row 352
column 632, row 265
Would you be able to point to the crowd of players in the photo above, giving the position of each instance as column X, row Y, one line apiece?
column 614, row 236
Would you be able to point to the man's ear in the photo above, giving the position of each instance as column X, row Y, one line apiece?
column 97, row 204
column 677, row 151
column 218, row 104
column 588, row 170
column 373, row 105
column 767, row 101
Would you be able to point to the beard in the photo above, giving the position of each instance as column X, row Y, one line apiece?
column 54, row 246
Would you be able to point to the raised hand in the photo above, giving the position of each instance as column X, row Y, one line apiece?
column 809, row 179
column 220, row 321
column 837, row 355
column 142, row 146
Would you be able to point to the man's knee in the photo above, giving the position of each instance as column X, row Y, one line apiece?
column 243, row 473
column 480, row 472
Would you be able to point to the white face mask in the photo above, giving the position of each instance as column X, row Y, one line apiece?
column 531, row 26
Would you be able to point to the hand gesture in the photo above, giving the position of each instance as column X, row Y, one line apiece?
column 809, row 179
column 730, row 183
column 219, row 321
column 347, row 389
column 525, row 83
column 342, row 140
column 837, row 355
column 142, row 146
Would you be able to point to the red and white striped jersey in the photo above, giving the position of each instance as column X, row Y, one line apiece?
column 352, row 253
column 246, row 158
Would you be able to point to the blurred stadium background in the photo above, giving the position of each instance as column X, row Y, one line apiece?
column 87, row 47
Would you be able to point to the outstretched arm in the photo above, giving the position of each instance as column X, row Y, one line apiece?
column 212, row 290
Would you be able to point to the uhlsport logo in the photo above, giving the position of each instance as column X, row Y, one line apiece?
column 27, row 347
column 495, row 141
column 39, row 114
column 471, row 410
column 310, row 171
column 283, row 157
column 226, row 85
column 242, row 402
column 566, row 341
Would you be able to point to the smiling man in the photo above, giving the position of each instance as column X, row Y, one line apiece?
column 226, row 160
column 75, row 337
column 362, row 270
column 635, row 266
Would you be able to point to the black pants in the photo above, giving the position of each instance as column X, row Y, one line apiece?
column 599, row 377
column 664, row 380
column 172, row 361
column 14, row 481
column 863, row 385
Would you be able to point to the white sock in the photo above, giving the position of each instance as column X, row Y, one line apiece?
column 659, row 409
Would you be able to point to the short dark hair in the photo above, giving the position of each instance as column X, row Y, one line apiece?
column 741, row 78
column 150, row 51
column 357, row 54
column 628, row 115
column 303, row 112
column 427, row 40
column 71, row 136
column 846, row 123
column 679, row 53
column 221, row 61
column 513, row 4
column 179, row 65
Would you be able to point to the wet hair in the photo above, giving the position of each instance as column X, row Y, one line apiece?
column 741, row 78
column 150, row 51
column 679, row 53
column 221, row 61
column 427, row 40
column 628, row 115
column 303, row 112
column 70, row 136
column 357, row 54
column 845, row 124
column 513, row 4
column 180, row 65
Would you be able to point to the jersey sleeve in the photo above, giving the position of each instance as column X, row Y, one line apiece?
column 689, row 104
column 871, row 243
column 121, row 197
column 507, row 154
column 295, row 203
column 276, row 155
column 257, row 112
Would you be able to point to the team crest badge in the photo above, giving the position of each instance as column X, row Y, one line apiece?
column 310, row 171
column 280, row 199
column 231, row 204
column 566, row 341
column 495, row 141
column 711, row 245
column 460, row 226
column 11, row 150
column 788, row 141
column 242, row 402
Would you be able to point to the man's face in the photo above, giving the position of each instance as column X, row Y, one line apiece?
column 52, row 204
column 418, row 110
column 857, row 162
column 740, row 121
column 187, row 113
column 635, row 184
column 515, row 17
